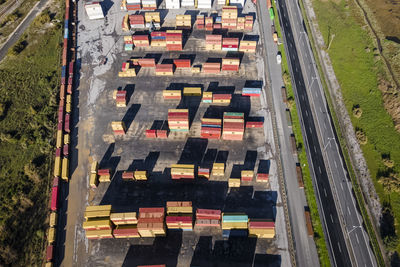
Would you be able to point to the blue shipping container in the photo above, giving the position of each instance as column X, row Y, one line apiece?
column 63, row 71
column 235, row 218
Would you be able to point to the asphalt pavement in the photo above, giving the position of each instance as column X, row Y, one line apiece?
column 17, row 33
column 347, row 239
column 305, row 249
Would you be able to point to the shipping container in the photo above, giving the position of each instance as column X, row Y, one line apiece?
column 288, row 117
column 49, row 252
column 299, row 175
column 54, row 198
column 307, row 214
column 271, row 14
column 293, row 144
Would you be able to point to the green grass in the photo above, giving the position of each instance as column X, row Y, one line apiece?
column 358, row 70
column 342, row 142
column 319, row 237
column 29, row 85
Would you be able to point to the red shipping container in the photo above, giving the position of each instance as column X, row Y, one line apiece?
column 162, row 134
column 151, row 134
column 66, row 124
column 158, row 33
column 254, row 124
column 49, row 253
column 207, row 222
column 56, row 181
column 200, row 26
column 153, row 212
column 62, row 91
column 119, row 132
column 182, row 63
column 54, row 198
column 71, row 67
column 177, row 177
column 70, row 80
column 261, row 225
column 59, row 126
column 222, row 96
column 69, row 89
column 230, row 67
column 208, row 214
column 65, row 150
column 147, row 62
column 61, row 115
column 103, row 171
column 262, row 177
column 210, row 136
column 58, row 152
column 178, row 219
column 125, row 232
column 127, row 175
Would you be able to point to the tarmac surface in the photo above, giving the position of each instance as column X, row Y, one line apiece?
column 347, row 239
column 92, row 139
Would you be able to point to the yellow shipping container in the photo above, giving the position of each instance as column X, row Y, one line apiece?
column 66, row 139
column 68, row 107
column 233, row 225
column 68, row 99
column 196, row 70
column 96, row 223
column 219, row 166
column 93, row 180
column 172, row 93
column 97, row 214
column 185, row 166
column 118, row 125
column 48, row 264
column 98, row 208
column 233, row 120
column 230, row 61
column 94, row 166
column 124, row 218
column 187, row 210
column 57, row 166
column 234, row 182
column 65, row 169
column 53, row 219
column 59, row 138
column 207, row 120
column 207, row 95
column 247, row 173
column 104, row 178
column 51, row 235
column 152, row 16
column 140, row 175
column 192, row 91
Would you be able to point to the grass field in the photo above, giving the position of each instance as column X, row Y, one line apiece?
column 28, row 104
column 357, row 69
column 319, row 237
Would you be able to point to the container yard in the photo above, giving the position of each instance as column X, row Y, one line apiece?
column 174, row 163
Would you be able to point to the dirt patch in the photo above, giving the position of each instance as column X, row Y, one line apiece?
column 387, row 13
column 391, row 102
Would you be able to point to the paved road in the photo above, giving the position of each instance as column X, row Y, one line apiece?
column 22, row 27
column 343, row 224
column 306, row 253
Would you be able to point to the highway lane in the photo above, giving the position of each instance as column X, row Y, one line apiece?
column 305, row 249
column 329, row 213
column 357, row 237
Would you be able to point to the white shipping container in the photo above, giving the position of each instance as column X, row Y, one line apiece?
column 94, row 10
column 172, row 4
column 238, row 3
column 204, row 4
column 221, row 2
column 187, row 3
column 133, row 2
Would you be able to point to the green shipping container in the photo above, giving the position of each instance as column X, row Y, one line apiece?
column 271, row 13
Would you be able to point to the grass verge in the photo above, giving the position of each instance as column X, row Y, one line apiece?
column 319, row 237
column 342, row 142
column 29, row 82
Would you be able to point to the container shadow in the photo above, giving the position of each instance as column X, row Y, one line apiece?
column 130, row 115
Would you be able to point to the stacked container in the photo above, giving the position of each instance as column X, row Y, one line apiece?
column 164, row 69
column 128, row 176
column 262, row 177
column 118, row 127
column 57, row 162
column 203, row 172
column 178, row 120
column 218, row 169
column 124, row 218
column 186, row 3
column 151, row 222
column 182, row 171
column 65, row 169
column 230, row 44
column 248, row 46
column 207, row 97
column 133, row 5
column 234, row 222
column 207, row 217
column 147, row 62
column 98, row 224
column 104, row 175
column 211, row 128
column 172, row 94
column 209, row 67
column 93, row 179
column 54, row 195
column 209, row 21
column 152, row 17
column 172, row 4
column 182, row 63
column 149, row 5
column 224, row 99
column 66, row 146
column 200, row 22
column 233, row 126
column 254, row 124
column 158, row 39
column 174, row 40
column 234, row 182
column 141, row 40
column 230, row 64
column 247, row 175
column 251, row 91
column 183, row 21
column 151, row 134
column 248, row 24
column 120, row 98
column 128, row 70
column 204, row 4
column 136, row 21
column 179, row 215
column 140, row 175
column 229, row 17
column 240, row 23
column 125, row 23
column 213, row 42
column 261, row 228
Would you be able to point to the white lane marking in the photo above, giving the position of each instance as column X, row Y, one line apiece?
column 358, row 241
column 325, row 125
column 335, row 163
column 320, row 109
column 325, row 192
column 319, row 168
column 331, row 217
column 306, row 113
column 348, row 210
column 340, row 250
column 315, row 149
column 341, row 185
column 311, row 132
